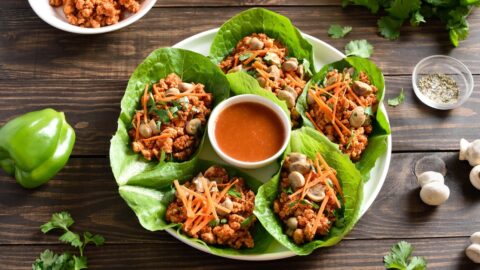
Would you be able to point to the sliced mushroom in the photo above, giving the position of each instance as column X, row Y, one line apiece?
column 193, row 126
column 290, row 65
column 153, row 126
column 227, row 203
column 330, row 80
column 291, row 90
column 301, row 71
column 287, row 97
column 292, row 223
column 185, row 86
column 261, row 81
column 361, row 88
column 357, row 118
column 299, row 166
column 172, row 91
column 475, row 177
column 294, row 157
column 214, row 187
column 197, row 181
column 316, row 193
column 274, row 72
column 145, row 130
column 296, row 180
column 255, row 44
column 272, row 58
column 235, row 69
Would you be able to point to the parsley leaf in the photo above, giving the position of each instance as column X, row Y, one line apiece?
column 247, row 222
column 71, row 238
column 359, row 48
column 61, row 220
column 417, row 18
column 401, row 9
column 96, row 239
column 389, row 27
column 394, row 102
column 338, row 31
column 306, row 67
column 400, row 258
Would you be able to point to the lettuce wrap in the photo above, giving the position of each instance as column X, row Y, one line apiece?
column 377, row 140
column 309, row 142
column 130, row 168
column 276, row 26
column 150, row 206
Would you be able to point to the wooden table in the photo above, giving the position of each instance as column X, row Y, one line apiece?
column 85, row 76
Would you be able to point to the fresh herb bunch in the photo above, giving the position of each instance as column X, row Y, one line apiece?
column 401, row 258
column 453, row 13
column 51, row 261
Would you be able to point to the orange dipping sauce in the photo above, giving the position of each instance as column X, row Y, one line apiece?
column 249, row 132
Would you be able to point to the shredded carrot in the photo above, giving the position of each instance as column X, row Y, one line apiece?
column 210, row 202
column 313, row 122
column 306, row 183
column 263, row 73
column 333, row 86
column 310, row 184
column 225, row 190
column 334, row 180
column 235, row 63
column 259, row 65
column 250, row 59
column 137, row 127
column 201, row 225
column 294, row 82
column 144, row 103
column 161, row 136
column 325, row 109
column 182, row 197
column 320, row 213
column 355, row 96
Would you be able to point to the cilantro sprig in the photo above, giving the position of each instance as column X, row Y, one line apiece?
column 359, row 48
column 66, row 261
column 394, row 102
column 401, row 258
column 338, row 31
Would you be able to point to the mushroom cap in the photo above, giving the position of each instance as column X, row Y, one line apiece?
column 296, row 180
column 434, row 193
column 475, row 177
column 473, row 153
column 430, row 177
column 463, row 149
column 475, row 238
column 473, row 252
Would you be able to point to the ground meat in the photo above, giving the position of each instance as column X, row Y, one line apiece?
column 305, row 212
column 231, row 229
column 95, row 13
column 268, row 68
column 167, row 127
column 353, row 140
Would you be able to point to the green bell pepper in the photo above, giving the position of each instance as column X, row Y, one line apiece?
column 35, row 146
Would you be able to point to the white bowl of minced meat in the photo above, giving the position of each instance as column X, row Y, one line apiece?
column 90, row 16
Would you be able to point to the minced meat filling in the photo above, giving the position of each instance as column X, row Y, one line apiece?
column 225, row 219
column 307, row 197
column 343, row 110
column 267, row 60
column 171, row 119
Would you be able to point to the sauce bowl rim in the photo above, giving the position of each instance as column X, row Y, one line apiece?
column 284, row 118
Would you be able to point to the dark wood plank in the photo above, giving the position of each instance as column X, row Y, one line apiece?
column 92, row 107
column 33, row 49
column 348, row 254
column 87, row 189
column 211, row 3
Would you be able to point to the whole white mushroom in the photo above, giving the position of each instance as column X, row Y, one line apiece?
column 473, row 251
column 434, row 191
column 470, row 152
column 475, row 177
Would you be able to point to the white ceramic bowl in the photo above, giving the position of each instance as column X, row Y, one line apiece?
column 212, row 123
column 56, row 18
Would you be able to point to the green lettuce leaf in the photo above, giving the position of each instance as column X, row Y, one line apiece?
column 308, row 141
column 150, row 206
column 130, row 168
column 242, row 83
column 260, row 20
column 377, row 141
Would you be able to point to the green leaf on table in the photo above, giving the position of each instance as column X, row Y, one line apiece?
column 310, row 142
column 338, row 31
column 48, row 260
column 394, row 102
column 359, row 48
column 401, row 9
column 389, row 27
column 417, row 18
column 400, row 258
column 79, row 263
column 96, row 239
column 61, row 220
column 71, row 238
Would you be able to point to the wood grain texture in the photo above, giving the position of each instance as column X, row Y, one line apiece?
column 92, row 107
column 44, row 52
column 87, row 189
column 441, row 253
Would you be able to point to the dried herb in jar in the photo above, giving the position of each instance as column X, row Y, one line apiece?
column 440, row 88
